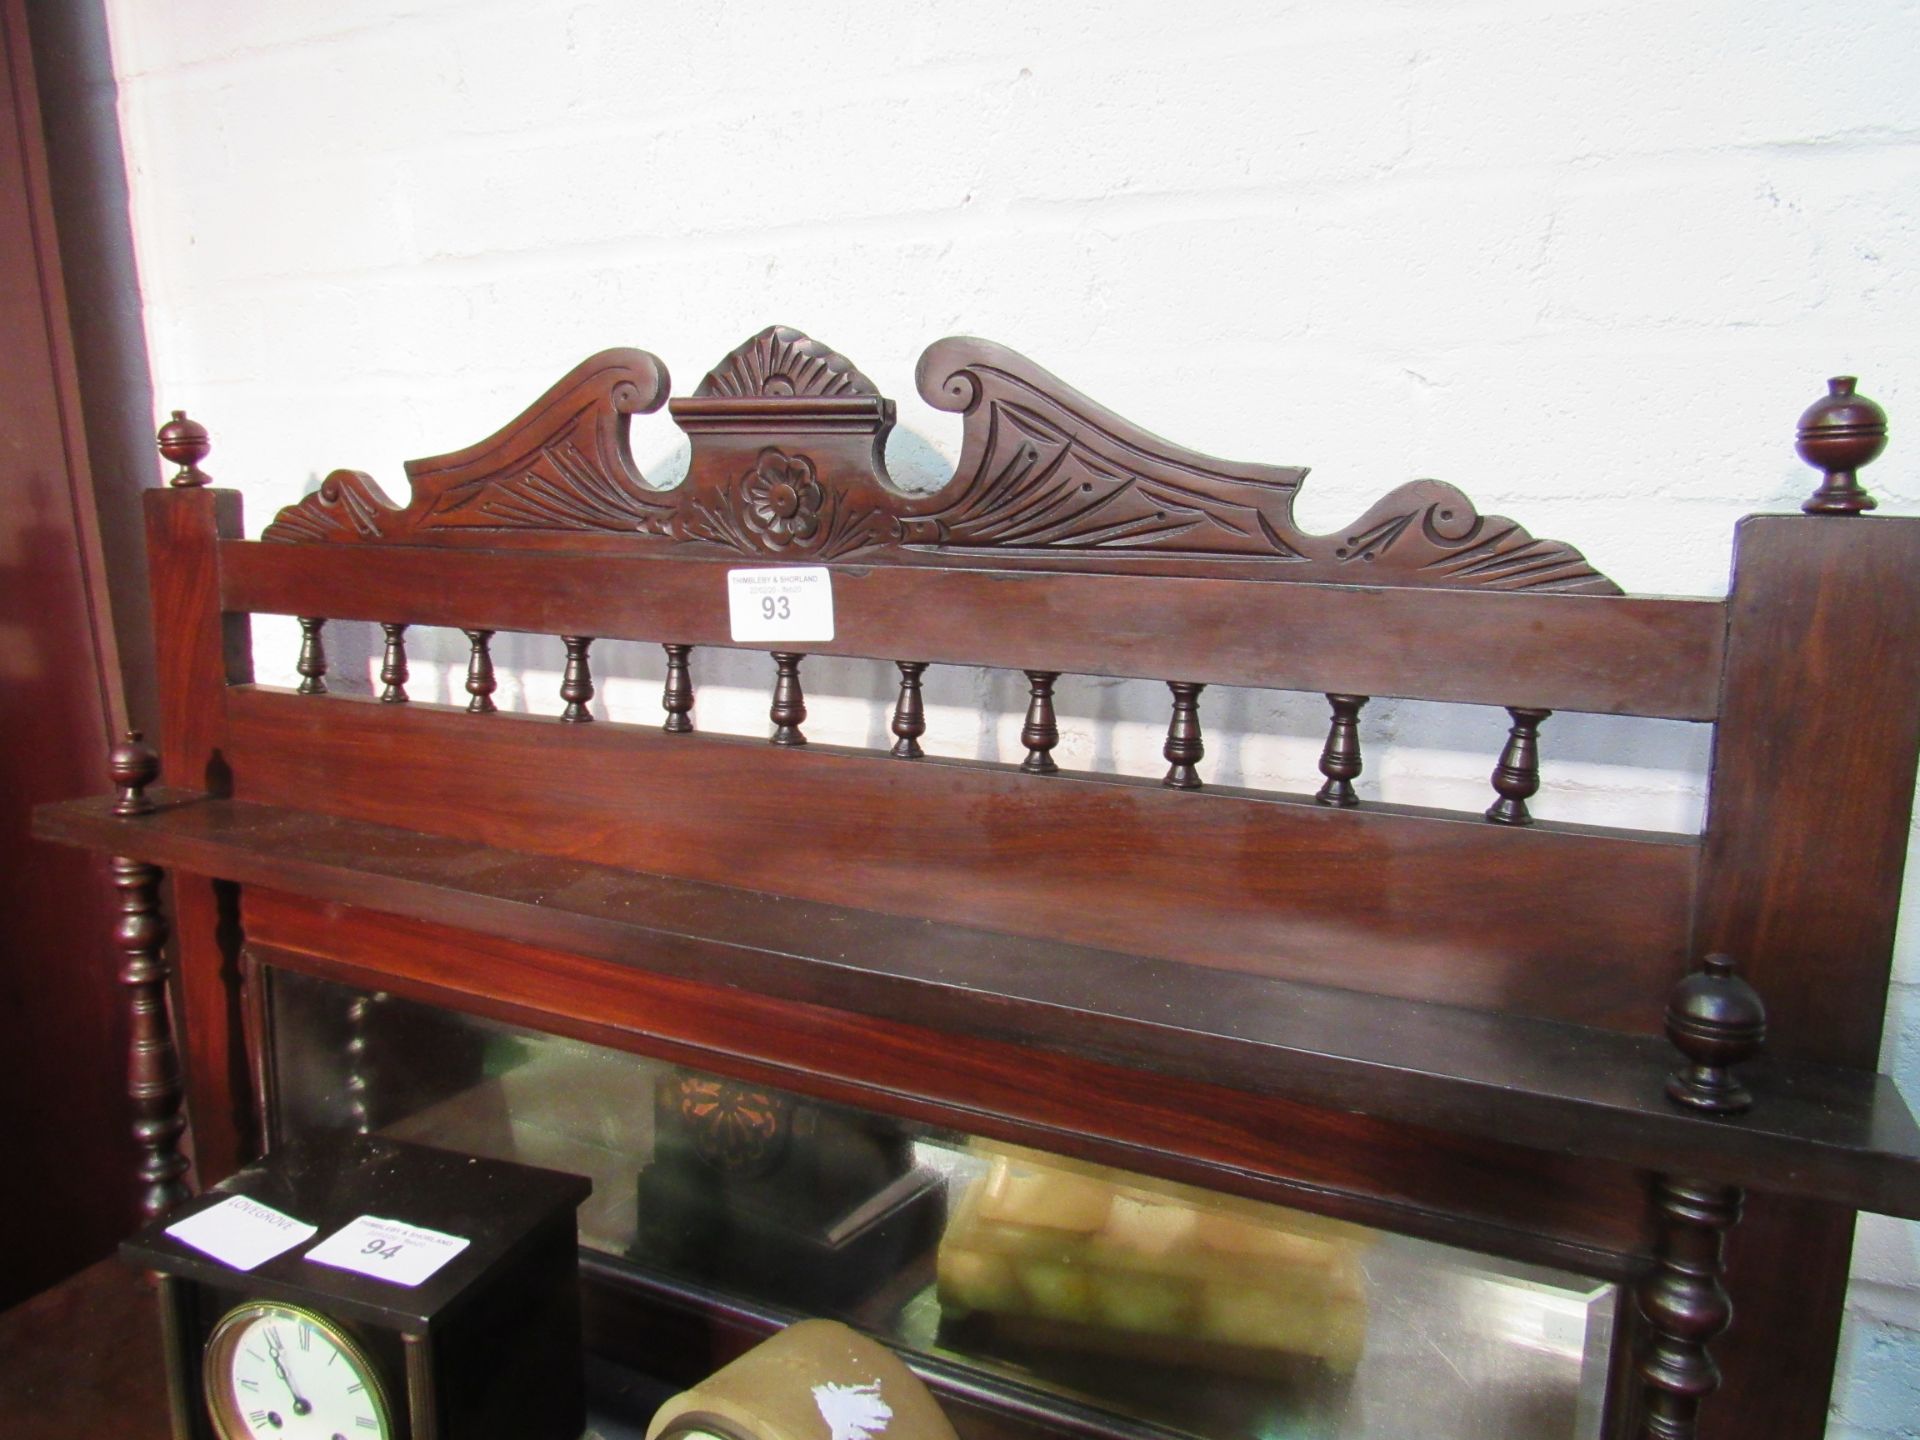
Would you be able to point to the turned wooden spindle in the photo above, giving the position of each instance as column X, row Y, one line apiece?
column 1684, row 1304
column 1716, row 1020
column 909, row 715
column 789, row 710
column 677, row 698
column 1517, row 776
column 1184, row 748
column 1840, row 434
column 359, row 1068
column 153, row 1065
column 1041, row 732
column 1340, row 759
column 393, row 666
column 132, row 765
column 576, row 684
column 186, row 443
column 312, row 664
column 480, row 681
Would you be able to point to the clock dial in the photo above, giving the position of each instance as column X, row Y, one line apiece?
column 279, row 1372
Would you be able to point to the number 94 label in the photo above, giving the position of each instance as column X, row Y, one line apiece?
column 390, row 1250
column 792, row 603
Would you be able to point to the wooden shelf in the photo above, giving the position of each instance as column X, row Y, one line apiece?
column 1818, row 1131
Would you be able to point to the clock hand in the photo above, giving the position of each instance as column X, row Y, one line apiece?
column 300, row 1406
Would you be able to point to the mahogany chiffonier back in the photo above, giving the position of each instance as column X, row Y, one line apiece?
column 1533, row 1041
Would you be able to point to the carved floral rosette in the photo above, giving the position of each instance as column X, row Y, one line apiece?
column 739, row 1129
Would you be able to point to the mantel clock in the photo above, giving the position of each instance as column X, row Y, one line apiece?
column 486, row 1347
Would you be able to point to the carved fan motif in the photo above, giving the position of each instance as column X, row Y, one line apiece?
column 783, row 363
column 788, row 441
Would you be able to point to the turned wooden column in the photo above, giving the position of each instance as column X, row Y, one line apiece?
column 153, row 1065
column 789, row 710
column 1185, row 746
column 1516, row 779
column 676, row 698
column 1340, row 758
column 909, row 712
column 576, row 684
column 1041, row 732
column 1685, row 1305
column 358, row 1053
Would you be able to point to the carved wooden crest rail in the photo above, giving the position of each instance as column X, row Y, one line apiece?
column 788, row 442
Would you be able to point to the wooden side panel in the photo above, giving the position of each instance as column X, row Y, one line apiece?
column 1807, row 826
column 1567, row 925
column 1355, row 1165
column 1813, row 774
column 199, row 649
column 199, row 652
column 1787, row 1274
column 1623, row 655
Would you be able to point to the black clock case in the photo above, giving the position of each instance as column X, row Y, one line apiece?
column 488, row 1348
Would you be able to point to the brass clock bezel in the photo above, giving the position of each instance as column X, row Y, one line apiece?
column 216, row 1374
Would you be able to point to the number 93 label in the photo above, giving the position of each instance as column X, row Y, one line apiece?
column 794, row 603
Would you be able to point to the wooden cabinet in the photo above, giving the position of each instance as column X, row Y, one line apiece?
column 1443, row 1027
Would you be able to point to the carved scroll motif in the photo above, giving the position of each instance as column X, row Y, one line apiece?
column 787, row 463
column 1043, row 467
column 348, row 505
column 562, row 467
column 1045, row 470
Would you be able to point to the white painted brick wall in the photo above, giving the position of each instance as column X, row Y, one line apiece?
column 1587, row 260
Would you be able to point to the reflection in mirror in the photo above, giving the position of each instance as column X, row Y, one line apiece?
column 1177, row 1308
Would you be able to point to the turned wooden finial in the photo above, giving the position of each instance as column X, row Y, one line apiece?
column 186, row 443
column 1716, row 1020
column 132, row 765
column 1840, row 434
